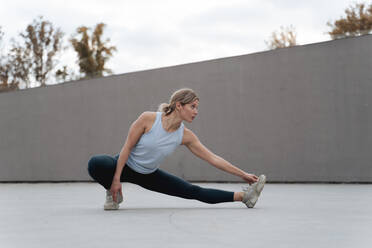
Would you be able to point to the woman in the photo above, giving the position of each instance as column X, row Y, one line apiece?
column 153, row 136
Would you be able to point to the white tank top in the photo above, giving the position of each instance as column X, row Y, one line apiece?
column 153, row 146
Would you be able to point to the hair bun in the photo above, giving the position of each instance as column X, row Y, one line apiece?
column 184, row 96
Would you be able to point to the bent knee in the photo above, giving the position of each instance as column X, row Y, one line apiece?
column 92, row 165
column 100, row 164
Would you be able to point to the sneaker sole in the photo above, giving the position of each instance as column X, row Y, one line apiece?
column 114, row 206
column 257, row 187
column 250, row 197
column 251, row 202
column 260, row 184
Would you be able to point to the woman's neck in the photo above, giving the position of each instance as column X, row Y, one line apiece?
column 171, row 122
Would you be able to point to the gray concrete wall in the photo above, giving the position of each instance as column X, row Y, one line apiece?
column 301, row 114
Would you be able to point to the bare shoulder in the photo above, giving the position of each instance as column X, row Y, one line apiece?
column 148, row 119
column 188, row 137
column 148, row 115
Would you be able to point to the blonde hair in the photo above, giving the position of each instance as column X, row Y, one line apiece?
column 184, row 96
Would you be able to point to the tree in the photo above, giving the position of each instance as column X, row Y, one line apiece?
column 33, row 58
column 43, row 43
column 358, row 21
column 5, row 71
column 65, row 74
column 286, row 38
column 18, row 67
column 92, row 52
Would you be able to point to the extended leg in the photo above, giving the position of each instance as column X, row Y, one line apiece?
column 163, row 182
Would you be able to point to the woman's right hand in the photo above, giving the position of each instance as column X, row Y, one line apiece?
column 250, row 178
column 116, row 189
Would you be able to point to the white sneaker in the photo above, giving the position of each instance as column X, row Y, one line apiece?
column 110, row 204
column 252, row 192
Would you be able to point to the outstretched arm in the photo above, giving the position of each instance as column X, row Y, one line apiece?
column 196, row 147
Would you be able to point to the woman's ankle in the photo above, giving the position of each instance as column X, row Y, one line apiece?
column 238, row 196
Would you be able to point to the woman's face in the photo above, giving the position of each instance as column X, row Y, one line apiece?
column 189, row 111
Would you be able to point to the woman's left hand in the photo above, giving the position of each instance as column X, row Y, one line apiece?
column 250, row 178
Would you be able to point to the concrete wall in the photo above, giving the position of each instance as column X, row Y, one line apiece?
column 302, row 114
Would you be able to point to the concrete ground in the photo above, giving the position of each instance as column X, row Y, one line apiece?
column 286, row 215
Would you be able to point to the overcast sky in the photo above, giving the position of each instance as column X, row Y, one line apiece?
column 151, row 34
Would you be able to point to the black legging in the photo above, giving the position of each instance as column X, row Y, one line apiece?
column 102, row 169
